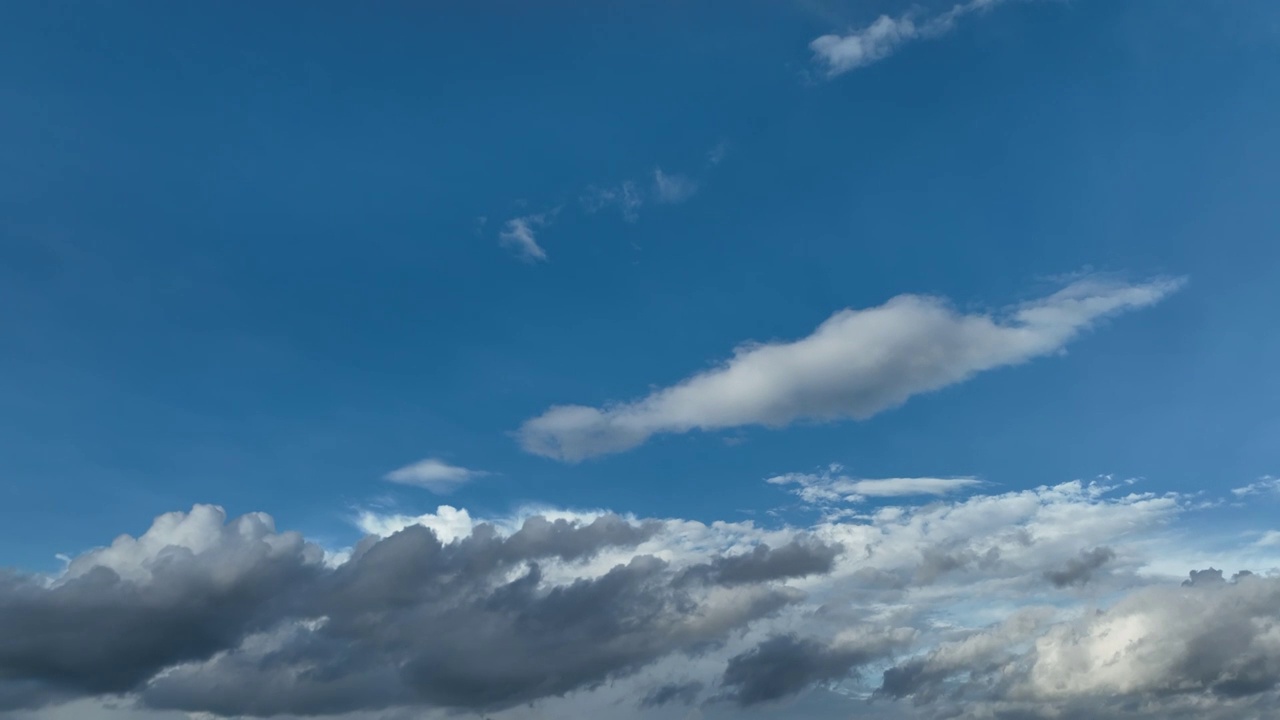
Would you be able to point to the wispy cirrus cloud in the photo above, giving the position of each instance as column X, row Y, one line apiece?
column 839, row 54
column 627, row 197
column 672, row 188
column 434, row 474
column 1265, row 485
column 520, row 235
column 857, row 363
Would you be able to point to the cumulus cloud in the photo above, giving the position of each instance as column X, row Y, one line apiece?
column 498, row 616
column 943, row 606
column 189, row 587
column 854, row 365
column 433, row 474
column 839, row 54
column 520, row 235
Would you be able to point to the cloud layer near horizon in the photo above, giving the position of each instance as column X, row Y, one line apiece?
column 857, row 363
column 554, row 614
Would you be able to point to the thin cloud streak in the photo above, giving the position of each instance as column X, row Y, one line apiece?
column 840, row 54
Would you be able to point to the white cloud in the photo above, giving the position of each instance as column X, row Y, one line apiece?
column 519, row 235
column 1264, row 486
column 877, row 41
column 672, row 188
column 447, row 522
column 203, row 532
column 1270, row 538
column 433, row 474
column 854, row 365
column 829, row 487
column 717, row 154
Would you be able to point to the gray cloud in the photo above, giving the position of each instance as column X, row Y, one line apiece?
column 796, row 559
column 684, row 693
column 584, row 614
column 1079, row 571
column 196, row 606
column 1209, row 648
column 124, row 613
column 784, row 665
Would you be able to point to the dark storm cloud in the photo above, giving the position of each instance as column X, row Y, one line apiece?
column 684, row 693
column 1079, row 571
column 784, row 665
column 98, row 633
column 796, row 559
column 440, row 626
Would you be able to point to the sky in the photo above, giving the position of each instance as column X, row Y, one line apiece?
column 692, row 360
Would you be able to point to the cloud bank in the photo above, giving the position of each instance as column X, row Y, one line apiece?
column 569, row 613
column 854, row 365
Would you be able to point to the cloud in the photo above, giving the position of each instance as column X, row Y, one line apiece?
column 796, row 559
column 717, row 154
column 671, row 188
column 839, row 54
column 492, row 619
column 1265, row 485
column 784, row 665
column 1270, row 538
column 626, row 197
column 434, row 475
column 519, row 235
column 1078, row 571
column 679, row 692
column 854, row 365
column 189, row 587
column 826, row 487
column 545, row 614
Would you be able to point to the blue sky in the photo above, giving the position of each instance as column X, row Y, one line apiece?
column 264, row 259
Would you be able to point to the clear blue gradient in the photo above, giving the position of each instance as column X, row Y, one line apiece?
column 241, row 260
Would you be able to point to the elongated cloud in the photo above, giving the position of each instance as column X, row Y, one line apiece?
column 434, row 474
column 831, row 487
column 856, row 364
column 841, row 53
